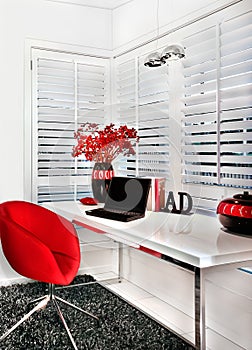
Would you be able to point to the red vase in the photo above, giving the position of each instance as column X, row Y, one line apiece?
column 101, row 177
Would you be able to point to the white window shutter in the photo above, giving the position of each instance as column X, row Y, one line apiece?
column 153, row 120
column 68, row 90
column 199, row 125
column 217, row 127
column 127, row 110
column 142, row 95
column 236, row 101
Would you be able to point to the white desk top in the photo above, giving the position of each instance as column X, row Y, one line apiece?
column 195, row 239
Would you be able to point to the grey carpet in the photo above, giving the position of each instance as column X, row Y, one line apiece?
column 121, row 326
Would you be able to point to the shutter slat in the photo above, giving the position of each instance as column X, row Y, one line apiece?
column 189, row 129
column 195, row 178
column 236, row 125
column 200, row 148
column 232, row 181
column 205, row 138
column 157, row 132
column 200, row 108
column 237, row 159
column 241, row 45
column 236, row 114
column 199, row 119
column 155, row 140
column 235, row 58
column 236, row 148
column 200, row 88
column 199, row 99
column 200, row 78
column 235, row 170
column 199, row 168
column 191, row 159
column 237, row 102
column 235, row 136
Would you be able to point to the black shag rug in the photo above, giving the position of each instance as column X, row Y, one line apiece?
column 120, row 325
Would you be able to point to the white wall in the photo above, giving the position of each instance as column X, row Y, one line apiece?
column 140, row 20
column 45, row 21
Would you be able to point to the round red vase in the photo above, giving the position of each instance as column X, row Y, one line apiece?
column 101, row 177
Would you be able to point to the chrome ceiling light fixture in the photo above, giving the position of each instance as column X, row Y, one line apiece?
column 154, row 59
column 173, row 52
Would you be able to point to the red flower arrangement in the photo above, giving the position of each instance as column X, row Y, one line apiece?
column 106, row 144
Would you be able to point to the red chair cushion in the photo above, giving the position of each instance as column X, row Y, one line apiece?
column 38, row 243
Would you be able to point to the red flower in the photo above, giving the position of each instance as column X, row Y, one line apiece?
column 104, row 145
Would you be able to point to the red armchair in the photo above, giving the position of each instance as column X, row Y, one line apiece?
column 43, row 246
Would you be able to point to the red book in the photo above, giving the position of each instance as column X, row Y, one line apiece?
column 156, row 198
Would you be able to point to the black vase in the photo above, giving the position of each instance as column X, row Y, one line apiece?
column 101, row 177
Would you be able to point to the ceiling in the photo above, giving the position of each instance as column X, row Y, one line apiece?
column 105, row 4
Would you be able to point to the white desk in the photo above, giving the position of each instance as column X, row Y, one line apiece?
column 195, row 242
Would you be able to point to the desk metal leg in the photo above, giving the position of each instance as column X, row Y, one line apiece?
column 200, row 322
column 119, row 257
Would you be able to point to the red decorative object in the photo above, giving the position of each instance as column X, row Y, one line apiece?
column 103, row 174
column 236, row 213
column 101, row 177
column 106, row 144
column 88, row 201
column 102, row 146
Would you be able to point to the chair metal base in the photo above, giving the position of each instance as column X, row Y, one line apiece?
column 42, row 303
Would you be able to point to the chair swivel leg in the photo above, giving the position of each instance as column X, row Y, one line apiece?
column 51, row 294
column 64, row 323
column 41, row 305
column 36, row 300
column 54, row 298
column 43, row 301
column 77, row 308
